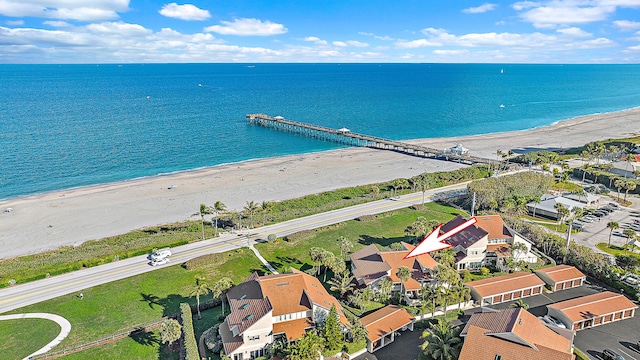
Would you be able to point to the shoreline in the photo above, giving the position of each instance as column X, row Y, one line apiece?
column 72, row 216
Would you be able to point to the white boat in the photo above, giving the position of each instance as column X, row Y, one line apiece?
column 501, row 106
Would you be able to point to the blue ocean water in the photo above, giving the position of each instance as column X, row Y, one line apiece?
column 64, row 126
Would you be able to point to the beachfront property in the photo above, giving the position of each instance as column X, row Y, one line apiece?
column 264, row 308
column 488, row 242
column 626, row 168
column 547, row 206
column 370, row 266
column 514, row 334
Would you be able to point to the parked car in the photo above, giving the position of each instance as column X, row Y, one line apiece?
column 632, row 279
column 553, row 321
column 160, row 254
column 608, row 354
column 160, row 261
column 586, row 219
column 635, row 227
column 600, row 213
column 615, row 205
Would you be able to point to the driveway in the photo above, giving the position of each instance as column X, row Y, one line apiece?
column 405, row 347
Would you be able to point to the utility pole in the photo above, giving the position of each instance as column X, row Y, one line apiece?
column 564, row 260
column 473, row 203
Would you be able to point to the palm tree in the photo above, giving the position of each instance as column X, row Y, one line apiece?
column 520, row 304
column 251, row 207
column 442, row 341
column 628, row 186
column 345, row 246
column 629, row 159
column 612, row 225
column 342, row 283
column 586, row 169
column 204, row 210
column 200, row 288
column 220, row 288
column 536, row 200
column 629, row 233
column 384, row 289
column 619, row 184
column 170, row 331
column 265, row 206
column 424, row 183
column 403, row 274
column 562, row 210
column 315, row 255
column 218, row 207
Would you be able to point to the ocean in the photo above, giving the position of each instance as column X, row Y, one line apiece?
column 66, row 126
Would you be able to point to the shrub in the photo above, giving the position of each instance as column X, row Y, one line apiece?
column 271, row 237
column 484, row 271
column 364, row 218
column 190, row 344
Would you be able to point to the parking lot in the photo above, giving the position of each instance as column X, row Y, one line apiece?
column 597, row 230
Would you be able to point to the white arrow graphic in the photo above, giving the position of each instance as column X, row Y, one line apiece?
column 433, row 241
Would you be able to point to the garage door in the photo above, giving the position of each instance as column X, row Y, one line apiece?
column 627, row 313
column 527, row 292
column 607, row 318
column 496, row 299
column 560, row 286
column 577, row 282
column 577, row 326
column 516, row 294
column 617, row 316
column 507, row 297
column 597, row 321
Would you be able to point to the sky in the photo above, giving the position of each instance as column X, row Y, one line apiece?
column 321, row 31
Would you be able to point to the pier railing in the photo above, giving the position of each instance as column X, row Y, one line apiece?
column 346, row 137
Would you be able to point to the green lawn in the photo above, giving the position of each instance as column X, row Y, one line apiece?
column 143, row 346
column 386, row 229
column 17, row 341
column 617, row 250
column 140, row 299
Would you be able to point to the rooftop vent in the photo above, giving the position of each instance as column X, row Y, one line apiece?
column 283, row 284
column 244, row 306
column 243, row 296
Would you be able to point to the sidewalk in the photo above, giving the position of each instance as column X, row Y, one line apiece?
column 65, row 328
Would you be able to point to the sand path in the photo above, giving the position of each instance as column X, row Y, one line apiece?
column 71, row 217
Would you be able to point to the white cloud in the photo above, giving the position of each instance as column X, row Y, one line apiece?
column 403, row 44
column 632, row 48
column 626, row 25
column 184, row 12
column 316, row 40
column 357, row 44
column 247, row 27
column 554, row 13
column 119, row 28
column 340, row 44
column 14, row 22
column 450, row 52
column 574, row 32
column 81, row 10
column 480, row 9
column 56, row 23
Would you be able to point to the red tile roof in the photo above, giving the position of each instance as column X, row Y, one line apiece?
column 386, row 320
column 293, row 329
column 494, row 226
column 595, row 305
column 514, row 334
column 505, row 283
column 561, row 273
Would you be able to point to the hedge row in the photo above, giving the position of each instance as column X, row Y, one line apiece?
column 190, row 343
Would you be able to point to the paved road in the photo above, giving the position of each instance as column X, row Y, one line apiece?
column 34, row 292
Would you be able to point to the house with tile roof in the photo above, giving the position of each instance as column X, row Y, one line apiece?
column 383, row 324
column 266, row 307
column 487, row 242
column 370, row 266
column 592, row 310
column 504, row 288
column 561, row 277
column 513, row 334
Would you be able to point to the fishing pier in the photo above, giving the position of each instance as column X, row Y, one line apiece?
column 346, row 137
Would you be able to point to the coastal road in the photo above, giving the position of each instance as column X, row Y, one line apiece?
column 36, row 291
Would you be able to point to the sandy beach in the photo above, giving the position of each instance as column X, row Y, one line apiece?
column 71, row 217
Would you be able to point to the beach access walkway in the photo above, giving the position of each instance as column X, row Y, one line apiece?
column 65, row 328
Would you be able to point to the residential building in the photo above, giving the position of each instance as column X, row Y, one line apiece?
column 592, row 310
column 546, row 207
column 513, row 334
column 383, row 324
column 266, row 307
column 561, row 277
column 504, row 288
column 370, row 266
column 488, row 242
